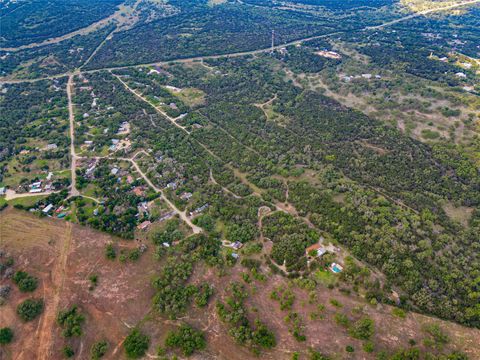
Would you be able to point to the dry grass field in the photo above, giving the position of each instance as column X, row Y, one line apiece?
column 63, row 256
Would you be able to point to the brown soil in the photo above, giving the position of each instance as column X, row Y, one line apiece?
column 63, row 255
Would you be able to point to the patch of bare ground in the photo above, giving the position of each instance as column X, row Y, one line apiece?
column 63, row 256
column 462, row 214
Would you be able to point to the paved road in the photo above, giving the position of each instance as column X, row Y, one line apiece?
column 251, row 52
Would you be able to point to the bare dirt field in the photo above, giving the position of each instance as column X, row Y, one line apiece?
column 64, row 255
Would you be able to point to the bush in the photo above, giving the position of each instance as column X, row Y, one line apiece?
column 6, row 335
column 98, row 350
column 68, row 351
column 110, row 252
column 25, row 282
column 399, row 313
column 368, row 347
column 362, row 329
column 136, row 344
column 349, row 348
column 71, row 321
column 187, row 339
column 30, row 309
column 437, row 338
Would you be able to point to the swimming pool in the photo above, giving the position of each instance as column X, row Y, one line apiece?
column 336, row 268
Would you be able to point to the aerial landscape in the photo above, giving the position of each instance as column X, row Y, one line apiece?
column 240, row 179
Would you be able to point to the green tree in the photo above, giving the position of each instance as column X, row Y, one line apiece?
column 98, row 349
column 6, row 335
column 25, row 282
column 136, row 344
column 71, row 321
column 362, row 329
column 68, row 351
column 187, row 339
column 30, row 309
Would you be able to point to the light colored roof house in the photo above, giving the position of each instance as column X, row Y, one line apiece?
column 144, row 225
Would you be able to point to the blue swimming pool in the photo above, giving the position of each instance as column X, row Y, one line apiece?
column 336, row 269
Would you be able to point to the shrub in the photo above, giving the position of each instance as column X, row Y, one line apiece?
column 71, row 321
column 110, row 252
column 204, row 293
column 6, row 335
column 399, row 313
column 349, row 348
column 368, row 347
column 98, row 350
column 30, row 309
column 68, row 351
column 362, row 329
column 342, row 319
column 136, row 344
column 263, row 336
column 336, row 303
column 437, row 336
column 187, row 339
column 25, row 282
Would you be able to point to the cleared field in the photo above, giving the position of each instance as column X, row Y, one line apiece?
column 64, row 255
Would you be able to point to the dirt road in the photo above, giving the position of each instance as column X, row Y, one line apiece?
column 52, row 299
column 182, row 214
column 73, row 155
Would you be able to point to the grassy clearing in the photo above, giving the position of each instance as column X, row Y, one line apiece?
column 26, row 201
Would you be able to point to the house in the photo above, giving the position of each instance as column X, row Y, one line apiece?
column 51, row 147
column 3, row 191
column 47, row 208
column 235, row 255
column 165, row 244
column 114, row 171
column 90, row 170
column 367, row 76
column 129, row 179
column 172, row 185
column 461, row 75
column 138, row 191
column 166, row 216
column 33, row 191
column 173, row 106
column 115, row 141
column 320, row 250
column 173, row 88
column 329, row 54
column 88, row 142
column 198, row 210
column 153, row 71
column 36, row 185
column 186, row 196
column 144, row 225
column 237, row 245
